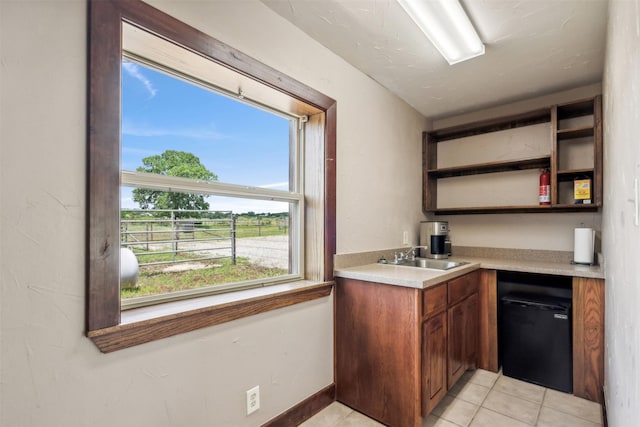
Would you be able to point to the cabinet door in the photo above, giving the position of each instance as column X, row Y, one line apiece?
column 588, row 338
column 471, row 331
column 457, row 336
column 434, row 362
column 463, row 338
column 378, row 351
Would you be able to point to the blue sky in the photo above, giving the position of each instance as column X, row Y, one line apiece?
column 239, row 143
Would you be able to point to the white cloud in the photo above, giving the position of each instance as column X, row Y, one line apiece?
column 134, row 71
column 198, row 133
column 126, row 198
column 138, row 151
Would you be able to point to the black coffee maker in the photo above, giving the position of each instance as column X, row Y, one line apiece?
column 435, row 235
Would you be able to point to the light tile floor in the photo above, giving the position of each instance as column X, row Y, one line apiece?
column 482, row 398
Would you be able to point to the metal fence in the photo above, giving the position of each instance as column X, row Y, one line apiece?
column 177, row 236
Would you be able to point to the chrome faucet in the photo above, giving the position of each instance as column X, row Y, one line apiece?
column 409, row 254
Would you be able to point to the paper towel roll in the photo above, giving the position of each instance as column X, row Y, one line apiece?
column 583, row 242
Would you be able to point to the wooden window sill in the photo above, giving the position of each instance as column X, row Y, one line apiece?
column 142, row 325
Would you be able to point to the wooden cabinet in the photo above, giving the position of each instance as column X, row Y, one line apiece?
column 434, row 300
column 463, row 330
column 572, row 149
column 456, row 363
column 488, row 320
column 435, row 352
column 588, row 338
column 471, row 332
column 378, row 350
column 392, row 345
column 434, row 361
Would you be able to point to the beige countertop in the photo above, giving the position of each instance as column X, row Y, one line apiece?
column 541, row 267
column 401, row 275
column 423, row 278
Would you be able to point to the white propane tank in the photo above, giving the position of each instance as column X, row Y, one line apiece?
column 128, row 269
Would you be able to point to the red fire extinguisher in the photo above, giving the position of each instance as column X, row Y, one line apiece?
column 545, row 187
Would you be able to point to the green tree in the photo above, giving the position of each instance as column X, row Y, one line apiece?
column 173, row 163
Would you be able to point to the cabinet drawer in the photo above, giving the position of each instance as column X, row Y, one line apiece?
column 434, row 300
column 462, row 287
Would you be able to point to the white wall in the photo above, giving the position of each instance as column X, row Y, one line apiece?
column 621, row 242
column 50, row 374
column 519, row 231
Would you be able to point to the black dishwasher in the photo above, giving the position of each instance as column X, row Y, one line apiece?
column 536, row 340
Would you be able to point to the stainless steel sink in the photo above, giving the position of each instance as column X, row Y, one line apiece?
column 433, row 264
column 436, row 264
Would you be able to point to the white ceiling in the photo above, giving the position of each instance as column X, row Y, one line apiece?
column 533, row 47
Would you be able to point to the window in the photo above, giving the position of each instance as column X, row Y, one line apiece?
column 132, row 40
column 212, row 195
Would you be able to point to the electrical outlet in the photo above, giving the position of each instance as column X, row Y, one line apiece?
column 405, row 238
column 253, row 400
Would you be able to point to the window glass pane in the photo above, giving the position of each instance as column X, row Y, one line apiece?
column 183, row 241
column 188, row 249
column 229, row 141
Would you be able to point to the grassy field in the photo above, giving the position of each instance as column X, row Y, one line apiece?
column 154, row 281
column 252, row 230
column 162, row 231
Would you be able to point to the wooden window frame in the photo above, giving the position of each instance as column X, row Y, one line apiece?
column 103, row 320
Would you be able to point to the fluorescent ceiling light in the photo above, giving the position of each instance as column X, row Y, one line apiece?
column 447, row 26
